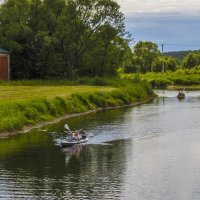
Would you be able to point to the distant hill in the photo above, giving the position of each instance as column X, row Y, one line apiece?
column 179, row 55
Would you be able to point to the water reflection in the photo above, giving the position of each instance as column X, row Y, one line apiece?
column 81, row 171
column 73, row 151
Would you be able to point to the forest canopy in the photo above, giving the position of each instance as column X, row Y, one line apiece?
column 63, row 38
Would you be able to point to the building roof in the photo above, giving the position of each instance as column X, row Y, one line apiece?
column 4, row 51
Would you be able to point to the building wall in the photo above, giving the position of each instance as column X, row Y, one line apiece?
column 4, row 67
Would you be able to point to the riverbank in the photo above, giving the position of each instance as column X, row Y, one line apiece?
column 28, row 128
column 180, row 87
column 22, row 115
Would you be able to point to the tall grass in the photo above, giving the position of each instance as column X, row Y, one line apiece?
column 96, row 81
column 16, row 114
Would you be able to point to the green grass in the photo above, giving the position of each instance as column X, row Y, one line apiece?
column 31, row 92
column 30, row 105
column 96, row 81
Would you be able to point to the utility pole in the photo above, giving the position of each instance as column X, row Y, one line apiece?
column 163, row 67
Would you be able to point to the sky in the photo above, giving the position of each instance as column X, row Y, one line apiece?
column 174, row 23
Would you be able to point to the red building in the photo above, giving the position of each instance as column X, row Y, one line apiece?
column 4, row 65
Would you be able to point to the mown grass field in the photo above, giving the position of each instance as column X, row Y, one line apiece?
column 8, row 93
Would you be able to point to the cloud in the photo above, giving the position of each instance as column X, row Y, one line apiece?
column 157, row 7
column 183, row 32
column 164, row 21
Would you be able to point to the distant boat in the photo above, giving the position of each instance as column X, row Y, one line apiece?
column 180, row 95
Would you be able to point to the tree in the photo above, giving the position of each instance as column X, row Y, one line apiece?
column 44, row 22
column 63, row 38
column 191, row 60
column 27, row 31
column 168, row 62
column 145, row 53
column 108, row 52
column 157, row 64
column 90, row 29
column 16, row 35
column 171, row 63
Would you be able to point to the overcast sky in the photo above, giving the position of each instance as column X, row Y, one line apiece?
column 167, row 22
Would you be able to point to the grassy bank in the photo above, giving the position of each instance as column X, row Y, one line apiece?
column 184, row 87
column 29, row 105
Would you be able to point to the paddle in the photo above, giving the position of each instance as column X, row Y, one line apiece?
column 67, row 127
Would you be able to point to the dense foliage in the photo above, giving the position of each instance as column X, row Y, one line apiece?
column 181, row 77
column 179, row 55
column 63, row 38
column 191, row 60
column 146, row 57
column 148, row 61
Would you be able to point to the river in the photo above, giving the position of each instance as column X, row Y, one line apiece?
column 149, row 152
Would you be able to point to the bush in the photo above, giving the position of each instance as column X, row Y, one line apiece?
column 160, row 82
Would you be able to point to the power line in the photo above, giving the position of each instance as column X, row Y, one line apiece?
column 189, row 45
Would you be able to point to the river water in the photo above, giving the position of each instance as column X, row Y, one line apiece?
column 149, row 152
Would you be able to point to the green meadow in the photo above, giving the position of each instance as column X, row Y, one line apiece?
column 31, row 104
column 33, row 92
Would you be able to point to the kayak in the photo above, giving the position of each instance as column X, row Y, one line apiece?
column 74, row 137
column 70, row 142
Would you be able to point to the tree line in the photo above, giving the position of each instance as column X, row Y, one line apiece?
column 63, row 38
column 179, row 55
column 146, row 57
column 74, row 38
